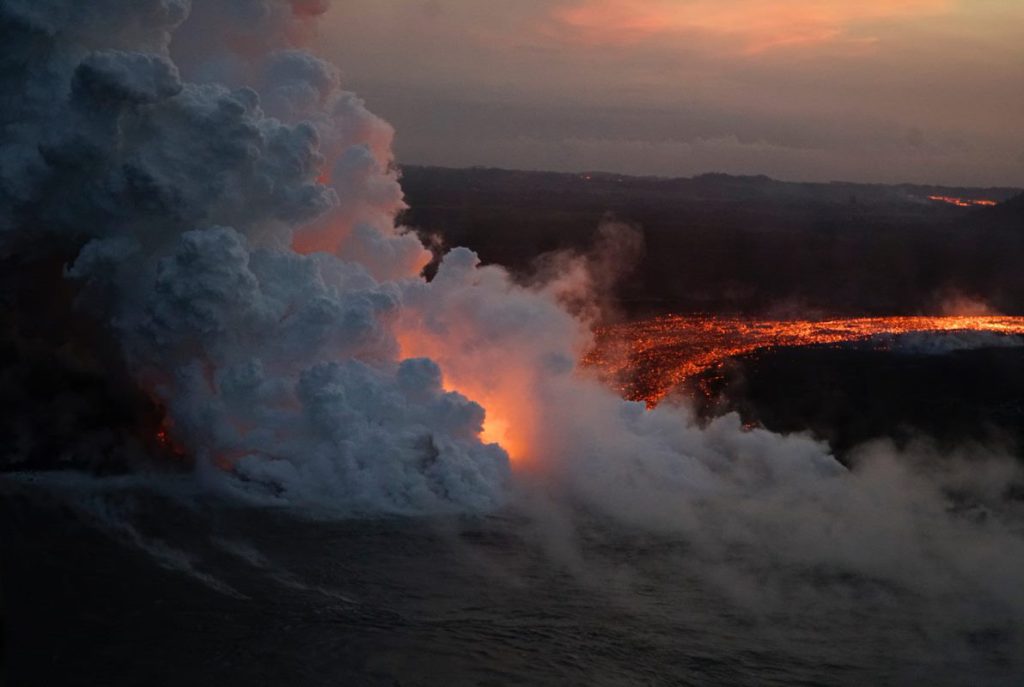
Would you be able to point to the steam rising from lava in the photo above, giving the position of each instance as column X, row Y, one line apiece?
column 232, row 211
column 185, row 193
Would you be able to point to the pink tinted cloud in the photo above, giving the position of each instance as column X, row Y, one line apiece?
column 748, row 26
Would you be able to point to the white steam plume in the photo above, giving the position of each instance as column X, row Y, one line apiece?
column 187, row 197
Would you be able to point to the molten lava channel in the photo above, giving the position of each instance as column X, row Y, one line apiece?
column 963, row 202
column 646, row 360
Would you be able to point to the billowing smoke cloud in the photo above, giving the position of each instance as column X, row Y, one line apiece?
column 232, row 214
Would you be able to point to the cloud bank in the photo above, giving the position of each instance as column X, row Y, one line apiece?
column 929, row 87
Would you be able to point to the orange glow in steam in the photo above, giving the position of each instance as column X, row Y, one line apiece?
column 642, row 361
column 323, row 238
column 488, row 378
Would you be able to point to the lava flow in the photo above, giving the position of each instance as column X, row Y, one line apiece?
column 963, row 202
column 646, row 360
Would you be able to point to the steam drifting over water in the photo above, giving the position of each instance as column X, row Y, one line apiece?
column 230, row 213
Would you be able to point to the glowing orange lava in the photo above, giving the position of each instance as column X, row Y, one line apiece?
column 646, row 360
column 963, row 202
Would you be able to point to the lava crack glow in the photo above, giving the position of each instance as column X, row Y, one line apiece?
column 646, row 360
column 963, row 202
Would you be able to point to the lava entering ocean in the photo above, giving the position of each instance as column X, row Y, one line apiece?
column 646, row 360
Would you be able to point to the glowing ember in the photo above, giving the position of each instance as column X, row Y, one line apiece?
column 963, row 202
column 167, row 442
column 646, row 360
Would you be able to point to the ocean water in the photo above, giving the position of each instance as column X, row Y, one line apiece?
column 117, row 583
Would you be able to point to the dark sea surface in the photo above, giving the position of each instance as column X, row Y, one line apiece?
column 111, row 582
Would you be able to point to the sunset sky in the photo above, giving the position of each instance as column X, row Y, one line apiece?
column 865, row 90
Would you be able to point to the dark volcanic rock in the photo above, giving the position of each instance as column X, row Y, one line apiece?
column 724, row 244
column 851, row 395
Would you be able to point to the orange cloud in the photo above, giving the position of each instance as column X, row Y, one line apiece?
column 752, row 26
